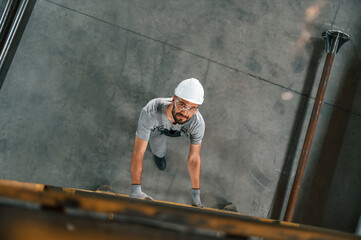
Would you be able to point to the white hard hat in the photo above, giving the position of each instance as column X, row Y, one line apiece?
column 190, row 90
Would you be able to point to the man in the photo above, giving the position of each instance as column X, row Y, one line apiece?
column 170, row 117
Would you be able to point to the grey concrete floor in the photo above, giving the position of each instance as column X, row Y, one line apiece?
column 84, row 69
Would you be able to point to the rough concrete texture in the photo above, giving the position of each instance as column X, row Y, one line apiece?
column 84, row 69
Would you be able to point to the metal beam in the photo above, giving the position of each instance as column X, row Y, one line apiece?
column 218, row 221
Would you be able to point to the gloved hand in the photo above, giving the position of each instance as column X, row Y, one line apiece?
column 196, row 198
column 137, row 193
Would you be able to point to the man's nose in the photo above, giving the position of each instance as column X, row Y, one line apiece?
column 184, row 112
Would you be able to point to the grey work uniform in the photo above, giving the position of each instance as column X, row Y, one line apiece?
column 155, row 127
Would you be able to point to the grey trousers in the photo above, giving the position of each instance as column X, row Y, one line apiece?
column 158, row 144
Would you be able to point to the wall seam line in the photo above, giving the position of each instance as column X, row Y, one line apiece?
column 205, row 58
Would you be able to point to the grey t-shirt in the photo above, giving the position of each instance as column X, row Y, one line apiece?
column 153, row 118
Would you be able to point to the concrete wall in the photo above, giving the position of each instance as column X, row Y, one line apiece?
column 84, row 69
column 2, row 6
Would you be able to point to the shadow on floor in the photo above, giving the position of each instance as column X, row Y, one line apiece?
column 276, row 209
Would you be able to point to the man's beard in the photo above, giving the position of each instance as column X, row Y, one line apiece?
column 179, row 121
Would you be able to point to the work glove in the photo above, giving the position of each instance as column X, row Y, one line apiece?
column 196, row 198
column 137, row 193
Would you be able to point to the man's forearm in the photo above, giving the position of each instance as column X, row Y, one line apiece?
column 194, row 168
column 136, row 168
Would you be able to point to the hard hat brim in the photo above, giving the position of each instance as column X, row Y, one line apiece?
column 191, row 100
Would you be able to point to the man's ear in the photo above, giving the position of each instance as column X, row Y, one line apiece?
column 173, row 99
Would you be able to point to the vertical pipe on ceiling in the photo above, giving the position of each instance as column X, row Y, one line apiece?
column 333, row 41
column 9, row 27
column 6, row 20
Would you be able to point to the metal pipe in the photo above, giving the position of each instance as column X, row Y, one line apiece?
column 14, row 27
column 4, row 15
column 6, row 20
column 333, row 41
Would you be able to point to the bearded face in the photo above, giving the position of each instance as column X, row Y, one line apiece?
column 179, row 117
column 183, row 110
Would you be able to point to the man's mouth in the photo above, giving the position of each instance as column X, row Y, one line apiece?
column 181, row 115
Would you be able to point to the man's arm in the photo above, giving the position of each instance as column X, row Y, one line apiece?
column 194, row 164
column 136, row 166
column 194, row 168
